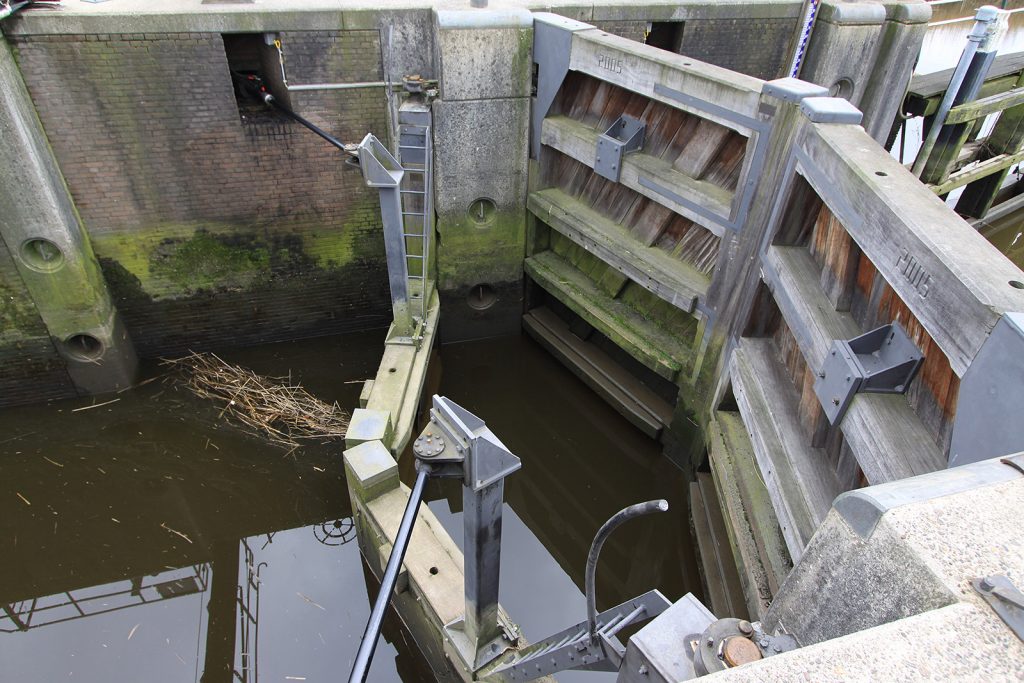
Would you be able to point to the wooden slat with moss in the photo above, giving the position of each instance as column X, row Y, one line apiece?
column 641, row 338
column 673, row 280
column 579, row 141
column 799, row 478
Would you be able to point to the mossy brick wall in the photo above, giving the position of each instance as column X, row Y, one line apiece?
column 214, row 225
column 30, row 368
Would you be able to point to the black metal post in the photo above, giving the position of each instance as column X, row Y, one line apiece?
column 361, row 666
column 603, row 533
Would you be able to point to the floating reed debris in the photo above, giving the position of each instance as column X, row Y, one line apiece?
column 272, row 406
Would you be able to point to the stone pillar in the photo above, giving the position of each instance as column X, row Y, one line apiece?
column 899, row 45
column 41, row 229
column 864, row 52
column 481, row 135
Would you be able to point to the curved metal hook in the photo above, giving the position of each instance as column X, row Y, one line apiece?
column 595, row 551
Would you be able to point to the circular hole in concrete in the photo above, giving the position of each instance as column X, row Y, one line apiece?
column 1017, row 284
column 842, row 88
column 392, row 369
column 481, row 297
column 42, row 255
column 433, row 571
column 83, row 347
column 881, row 173
column 482, row 211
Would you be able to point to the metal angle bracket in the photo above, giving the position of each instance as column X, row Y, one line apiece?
column 882, row 361
column 573, row 648
column 625, row 135
column 380, row 167
column 1004, row 598
column 457, row 437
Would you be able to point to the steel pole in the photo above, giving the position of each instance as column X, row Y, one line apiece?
column 481, row 512
column 361, row 666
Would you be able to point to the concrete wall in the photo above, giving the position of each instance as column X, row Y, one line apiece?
column 216, row 225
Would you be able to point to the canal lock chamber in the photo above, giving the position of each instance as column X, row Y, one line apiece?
column 684, row 238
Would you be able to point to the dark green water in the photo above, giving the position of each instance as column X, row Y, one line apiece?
column 147, row 540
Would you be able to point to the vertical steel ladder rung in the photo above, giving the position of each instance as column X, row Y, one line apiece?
column 417, row 175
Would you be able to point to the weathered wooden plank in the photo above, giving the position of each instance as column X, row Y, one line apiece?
column 710, row 567
column 986, row 168
column 980, row 108
column 579, row 141
column 638, row 67
column 792, row 275
column 764, row 524
column 927, row 89
column 1006, row 138
column 887, row 438
column 670, row 279
column 837, row 254
column 953, row 281
column 647, row 411
column 628, row 329
column 700, row 150
column 800, row 482
column 722, row 549
column 745, row 518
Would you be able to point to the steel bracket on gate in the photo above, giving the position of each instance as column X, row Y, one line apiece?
column 882, row 361
column 1004, row 598
column 625, row 135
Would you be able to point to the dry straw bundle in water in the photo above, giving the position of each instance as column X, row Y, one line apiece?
column 272, row 406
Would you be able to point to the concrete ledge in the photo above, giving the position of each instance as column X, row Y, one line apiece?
column 474, row 19
column 862, row 509
column 370, row 470
column 851, row 14
column 909, row 12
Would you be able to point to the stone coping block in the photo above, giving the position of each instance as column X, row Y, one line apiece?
column 830, row 110
column 368, row 425
column 370, row 470
column 793, row 89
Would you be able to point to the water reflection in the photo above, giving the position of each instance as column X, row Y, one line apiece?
column 148, row 541
column 582, row 462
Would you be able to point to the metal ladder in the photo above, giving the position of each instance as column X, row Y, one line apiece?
column 415, row 155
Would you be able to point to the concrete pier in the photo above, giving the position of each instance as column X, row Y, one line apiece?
column 51, row 252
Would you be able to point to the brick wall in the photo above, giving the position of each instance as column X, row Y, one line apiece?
column 756, row 47
column 30, row 369
column 634, row 30
column 215, row 226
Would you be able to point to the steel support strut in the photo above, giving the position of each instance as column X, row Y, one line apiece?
column 458, row 444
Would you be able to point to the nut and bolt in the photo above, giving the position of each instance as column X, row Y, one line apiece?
column 746, row 628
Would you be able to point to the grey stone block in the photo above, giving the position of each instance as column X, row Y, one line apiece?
column 830, row 110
